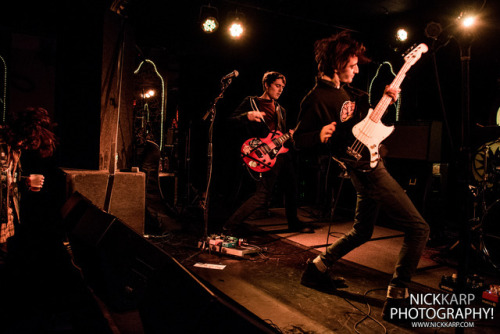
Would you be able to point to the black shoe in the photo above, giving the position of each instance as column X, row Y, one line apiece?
column 397, row 304
column 395, row 309
column 313, row 278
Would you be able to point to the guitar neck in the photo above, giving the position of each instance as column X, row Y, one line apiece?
column 280, row 140
column 385, row 101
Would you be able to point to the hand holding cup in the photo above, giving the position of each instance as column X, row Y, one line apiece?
column 36, row 182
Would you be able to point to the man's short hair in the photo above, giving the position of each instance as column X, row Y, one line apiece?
column 270, row 77
column 333, row 53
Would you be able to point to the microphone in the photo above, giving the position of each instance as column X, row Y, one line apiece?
column 233, row 74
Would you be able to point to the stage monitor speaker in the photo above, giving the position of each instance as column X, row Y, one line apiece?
column 85, row 220
column 128, row 272
column 415, row 140
column 127, row 196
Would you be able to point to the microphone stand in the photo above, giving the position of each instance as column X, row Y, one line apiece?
column 211, row 114
column 463, row 266
column 465, row 43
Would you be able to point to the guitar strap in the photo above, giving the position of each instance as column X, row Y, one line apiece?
column 279, row 116
column 254, row 106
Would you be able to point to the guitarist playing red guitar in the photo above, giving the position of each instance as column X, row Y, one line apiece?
column 263, row 120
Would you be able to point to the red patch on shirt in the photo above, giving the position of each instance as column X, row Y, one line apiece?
column 347, row 110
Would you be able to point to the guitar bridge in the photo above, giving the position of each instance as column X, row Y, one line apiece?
column 353, row 153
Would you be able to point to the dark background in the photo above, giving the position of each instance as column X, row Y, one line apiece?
column 58, row 53
column 55, row 54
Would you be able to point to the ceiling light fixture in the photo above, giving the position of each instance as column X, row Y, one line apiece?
column 401, row 35
column 208, row 19
column 236, row 26
column 466, row 20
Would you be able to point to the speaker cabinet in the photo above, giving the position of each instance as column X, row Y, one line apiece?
column 125, row 192
column 129, row 273
column 415, row 140
column 426, row 185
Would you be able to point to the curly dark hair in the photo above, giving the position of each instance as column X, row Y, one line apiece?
column 333, row 53
column 32, row 129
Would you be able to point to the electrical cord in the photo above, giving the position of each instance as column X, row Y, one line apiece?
column 273, row 325
column 366, row 314
column 292, row 253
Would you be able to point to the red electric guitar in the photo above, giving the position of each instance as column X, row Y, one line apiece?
column 260, row 154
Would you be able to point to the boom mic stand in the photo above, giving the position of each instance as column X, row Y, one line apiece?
column 225, row 82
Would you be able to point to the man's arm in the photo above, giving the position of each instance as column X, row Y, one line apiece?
column 246, row 121
column 308, row 133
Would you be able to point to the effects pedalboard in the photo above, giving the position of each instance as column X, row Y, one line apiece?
column 492, row 295
column 474, row 284
column 228, row 245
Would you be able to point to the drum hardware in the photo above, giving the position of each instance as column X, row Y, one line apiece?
column 488, row 227
column 484, row 226
column 486, row 164
column 489, row 235
column 475, row 225
column 488, row 231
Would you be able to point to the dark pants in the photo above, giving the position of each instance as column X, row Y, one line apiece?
column 378, row 189
column 282, row 172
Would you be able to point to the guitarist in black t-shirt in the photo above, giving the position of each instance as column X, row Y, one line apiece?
column 257, row 117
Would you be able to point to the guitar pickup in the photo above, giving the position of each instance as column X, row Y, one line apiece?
column 353, row 153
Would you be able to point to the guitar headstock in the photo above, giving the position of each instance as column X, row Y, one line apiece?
column 415, row 53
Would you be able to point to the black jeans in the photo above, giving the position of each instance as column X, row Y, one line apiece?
column 283, row 172
column 378, row 189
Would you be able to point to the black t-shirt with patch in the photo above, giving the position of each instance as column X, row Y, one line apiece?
column 325, row 104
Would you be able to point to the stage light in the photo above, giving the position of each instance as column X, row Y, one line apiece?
column 469, row 21
column 236, row 30
column 210, row 25
column 208, row 19
column 148, row 94
column 236, row 26
column 466, row 20
column 401, row 35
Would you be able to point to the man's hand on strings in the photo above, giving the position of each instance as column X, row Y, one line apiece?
column 256, row 116
column 393, row 93
column 327, row 131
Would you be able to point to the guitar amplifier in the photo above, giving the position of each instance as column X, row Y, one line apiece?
column 415, row 140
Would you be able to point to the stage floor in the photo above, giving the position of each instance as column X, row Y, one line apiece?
column 268, row 283
column 45, row 291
